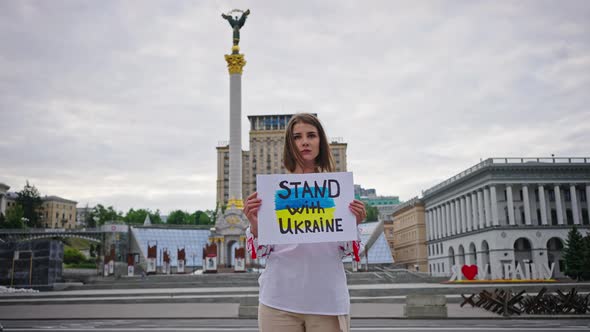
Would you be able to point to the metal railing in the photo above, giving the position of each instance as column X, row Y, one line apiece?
column 49, row 230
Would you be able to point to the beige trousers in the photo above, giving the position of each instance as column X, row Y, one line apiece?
column 271, row 320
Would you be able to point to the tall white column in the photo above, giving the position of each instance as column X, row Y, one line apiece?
column 428, row 224
column 436, row 226
column 482, row 221
column 575, row 210
column 441, row 221
column 462, row 214
column 441, row 224
column 527, row 205
column 543, row 205
column 450, row 218
column 487, row 207
column 510, row 204
column 494, row 203
column 558, row 205
column 432, row 225
column 235, row 139
column 457, row 216
column 468, row 213
column 445, row 219
column 474, row 222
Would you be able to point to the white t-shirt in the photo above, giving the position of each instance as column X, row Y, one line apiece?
column 304, row 278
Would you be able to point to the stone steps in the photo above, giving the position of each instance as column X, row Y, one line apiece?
column 235, row 280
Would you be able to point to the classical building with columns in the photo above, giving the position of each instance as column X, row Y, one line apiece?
column 507, row 210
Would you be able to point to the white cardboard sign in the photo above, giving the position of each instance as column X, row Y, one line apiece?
column 305, row 208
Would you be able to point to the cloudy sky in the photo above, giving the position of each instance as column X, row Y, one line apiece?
column 123, row 102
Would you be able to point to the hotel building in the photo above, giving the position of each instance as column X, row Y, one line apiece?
column 267, row 135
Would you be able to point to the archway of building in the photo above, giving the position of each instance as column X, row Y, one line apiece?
column 461, row 255
column 522, row 251
column 451, row 257
column 485, row 256
column 472, row 255
column 554, row 249
column 230, row 252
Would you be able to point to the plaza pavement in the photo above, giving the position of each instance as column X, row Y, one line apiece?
column 231, row 302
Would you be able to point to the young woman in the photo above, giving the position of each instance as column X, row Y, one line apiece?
column 303, row 287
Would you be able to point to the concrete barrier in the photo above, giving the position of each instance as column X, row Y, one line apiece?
column 426, row 306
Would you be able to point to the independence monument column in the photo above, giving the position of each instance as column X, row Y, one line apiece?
column 230, row 226
column 235, row 64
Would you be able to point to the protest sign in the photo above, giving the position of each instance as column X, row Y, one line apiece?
column 305, row 208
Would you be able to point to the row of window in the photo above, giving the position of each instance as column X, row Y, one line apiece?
column 435, row 249
column 63, row 216
column 407, row 236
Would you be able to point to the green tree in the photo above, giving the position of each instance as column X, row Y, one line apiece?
column 574, row 250
column 105, row 215
column 372, row 213
column 586, row 257
column 137, row 217
column 32, row 205
column 155, row 217
column 178, row 217
column 14, row 218
column 92, row 250
column 212, row 214
column 88, row 221
column 202, row 218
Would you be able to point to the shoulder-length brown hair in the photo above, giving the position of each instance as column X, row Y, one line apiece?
column 291, row 155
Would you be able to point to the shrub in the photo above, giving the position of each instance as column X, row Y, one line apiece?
column 73, row 256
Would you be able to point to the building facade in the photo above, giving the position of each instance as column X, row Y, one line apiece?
column 409, row 236
column 3, row 190
column 388, row 231
column 56, row 212
column 59, row 212
column 267, row 135
column 385, row 204
column 82, row 215
column 10, row 199
column 507, row 211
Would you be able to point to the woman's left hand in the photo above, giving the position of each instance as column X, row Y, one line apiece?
column 358, row 209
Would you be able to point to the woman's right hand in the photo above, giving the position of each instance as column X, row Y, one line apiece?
column 251, row 207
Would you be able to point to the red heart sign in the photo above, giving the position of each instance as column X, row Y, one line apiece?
column 469, row 271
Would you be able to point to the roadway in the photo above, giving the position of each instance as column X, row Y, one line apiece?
column 360, row 325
